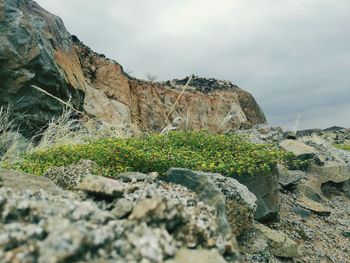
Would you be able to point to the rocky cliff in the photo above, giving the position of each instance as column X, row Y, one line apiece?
column 36, row 49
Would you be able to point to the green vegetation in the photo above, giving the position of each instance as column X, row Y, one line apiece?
column 230, row 155
column 343, row 147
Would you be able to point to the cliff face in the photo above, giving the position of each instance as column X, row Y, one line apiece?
column 36, row 49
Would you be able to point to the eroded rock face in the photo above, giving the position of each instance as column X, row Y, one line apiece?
column 36, row 49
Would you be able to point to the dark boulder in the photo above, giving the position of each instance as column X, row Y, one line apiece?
column 34, row 46
column 265, row 188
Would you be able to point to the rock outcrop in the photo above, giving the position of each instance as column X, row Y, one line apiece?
column 36, row 49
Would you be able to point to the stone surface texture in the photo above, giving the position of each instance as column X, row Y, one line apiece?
column 155, row 222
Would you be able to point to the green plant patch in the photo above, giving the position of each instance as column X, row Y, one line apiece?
column 342, row 146
column 230, row 155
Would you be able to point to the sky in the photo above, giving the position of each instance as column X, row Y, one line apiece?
column 293, row 56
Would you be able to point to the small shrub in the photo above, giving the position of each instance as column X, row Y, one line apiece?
column 231, row 155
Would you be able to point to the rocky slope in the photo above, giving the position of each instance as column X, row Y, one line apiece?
column 36, row 49
column 73, row 215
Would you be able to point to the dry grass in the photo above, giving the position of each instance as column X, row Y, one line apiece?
column 12, row 144
column 71, row 127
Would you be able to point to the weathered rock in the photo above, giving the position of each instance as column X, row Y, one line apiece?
column 133, row 177
column 291, row 135
column 311, row 187
column 240, row 203
column 22, row 182
column 208, row 192
column 299, row 149
column 265, row 188
column 335, row 172
column 69, row 177
column 287, row 177
column 122, row 208
column 313, row 206
column 49, row 224
column 159, row 209
column 197, row 256
column 101, row 186
column 326, row 152
column 36, row 49
column 279, row 243
column 263, row 134
column 316, row 176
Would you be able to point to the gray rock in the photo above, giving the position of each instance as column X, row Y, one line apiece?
column 69, row 177
column 291, row 135
column 299, row 149
column 160, row 209
column 208, row 192
column 313, row 206
column 101, row 186
column 197, row 256
column 262, row 134
column 287, row 177
column 122, row 208
column 62, row 244
column 325, row 151
column 279, row 243
column 240, row 203
column 316, row 176
column 133, row 177
column 11, row 179
column 304, row 213
column 265, row 188
column 335, row 172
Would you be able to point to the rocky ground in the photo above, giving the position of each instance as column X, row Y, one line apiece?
column 323, row 237
column 314, row 204
column 135, row 218
column 73, row 215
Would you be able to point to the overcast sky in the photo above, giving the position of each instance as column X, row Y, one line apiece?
column 292, row 55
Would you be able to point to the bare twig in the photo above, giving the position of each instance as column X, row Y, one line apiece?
column 178, row 97
column 58, row 99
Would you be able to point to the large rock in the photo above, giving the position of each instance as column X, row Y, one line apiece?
column 265, row 188
column 69, row 177
column 299, row 149
column 288, row 178
column 208, row 192
column 316, row 176
column 101, row 186
column 22, row 182
column 36, row 49
column 313, row 206
column 240, row 203
column 234, row 202
column 335, row 172
column 279, row 243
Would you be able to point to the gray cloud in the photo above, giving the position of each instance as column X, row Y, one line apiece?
column 293, row 56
